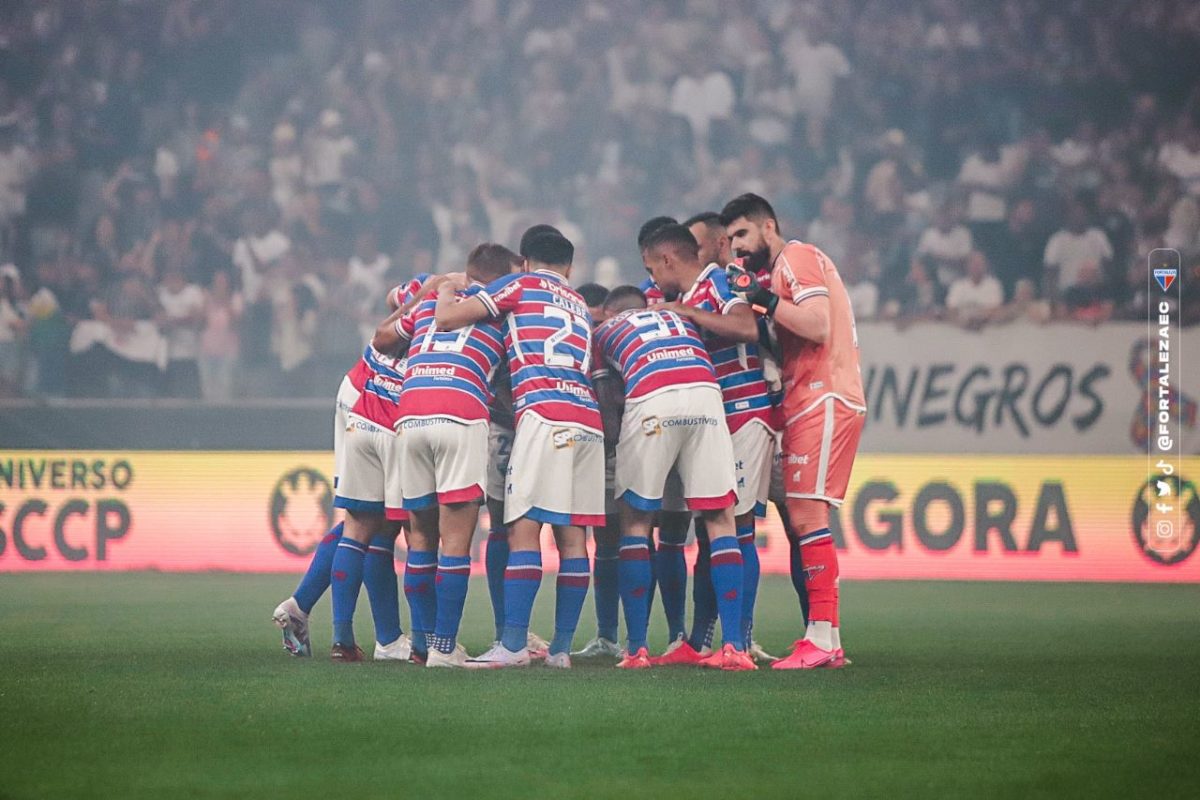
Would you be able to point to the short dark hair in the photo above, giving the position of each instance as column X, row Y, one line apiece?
column 622, row 297
column 493, row 260
column 676, row 236
column 532, row 232
column 650, row 226
column 748, row 205
column 593, row 294
column 710, row 218
column 553, row 249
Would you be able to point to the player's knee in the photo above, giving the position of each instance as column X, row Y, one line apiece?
column 807, row 515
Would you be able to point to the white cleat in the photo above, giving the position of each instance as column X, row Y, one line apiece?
column 558, row 661
column 399, row 650
column 538, row 647
column 499, row 657
column 758, row 654
column 598, row 648
column 456, row 658
column 294, row 623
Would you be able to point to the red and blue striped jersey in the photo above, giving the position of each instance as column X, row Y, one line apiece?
column 653, row 350
column 380, row 399
column 362, row 371
column 654, row 295
column 739, row 369
column 448, row 373
column 548, row 335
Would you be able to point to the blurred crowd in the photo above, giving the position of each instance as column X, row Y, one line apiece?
column 209, row 197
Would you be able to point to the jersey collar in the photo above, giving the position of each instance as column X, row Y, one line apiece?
column 549, row 274
column 701, row 278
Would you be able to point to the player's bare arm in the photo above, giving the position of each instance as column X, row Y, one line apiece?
column 808, row 320
column 610, row 394
column 387, row 338
column 737, row 325
column 452, row 313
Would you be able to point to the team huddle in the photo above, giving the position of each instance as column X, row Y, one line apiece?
column 693, row 400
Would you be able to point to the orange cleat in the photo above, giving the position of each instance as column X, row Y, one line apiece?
column 679, row 652
column 638, row 660
column 729, row 659
column 346, row 654
column 806, row 656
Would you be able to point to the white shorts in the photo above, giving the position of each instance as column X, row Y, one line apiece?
column 500, row 442
column 347, row 396
column 445, row 461
column 754, row 447
column 556, row 474
column 681, row 430
column 370, row 479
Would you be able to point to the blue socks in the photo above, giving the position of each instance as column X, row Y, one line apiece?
column 420, row 571
column 453, row 574
column 522, row 578
column 607, row 592
column 347, row 575
column 727, row 582
column 670, row 567
column 316, row 579
column 797, row 569
column 570, row 592
column 704, row 598
column 379, row 576
column 750, row 570
column 634, row 580
column 496, row 559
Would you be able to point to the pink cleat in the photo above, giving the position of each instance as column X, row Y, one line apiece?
column 680, row 652
column 638, row 660
column 729, row 659
column 806, row 656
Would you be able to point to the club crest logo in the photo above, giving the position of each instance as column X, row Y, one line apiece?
column 1165, row 277
column 651, row 426
column 301, row 510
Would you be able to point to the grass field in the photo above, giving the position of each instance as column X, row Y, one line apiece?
column 149, row 685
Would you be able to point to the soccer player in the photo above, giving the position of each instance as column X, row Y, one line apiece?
column 824, row 406
column 369, row 491
column 556, row 472
column 608, row 536
column 673, row 420
column 500, row 439
column 379, row 573
column 443, row 440
column 731, row 335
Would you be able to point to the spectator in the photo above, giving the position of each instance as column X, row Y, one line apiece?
column 702, row 95
column 1071, row 247
column 219, row 339
column 13, row 326
column 181, row 319
column 973, row 297
column 944, row 247
column 1024, row 306
column 328, row 150
column 1020, row 248
column 988, row 175
column 1087, row 300
column 1180, row 157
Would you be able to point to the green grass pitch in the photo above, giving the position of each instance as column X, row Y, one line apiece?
column 151, row 685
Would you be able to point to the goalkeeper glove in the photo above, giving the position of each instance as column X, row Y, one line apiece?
column 743, row 284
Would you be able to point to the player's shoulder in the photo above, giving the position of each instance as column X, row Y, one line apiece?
column 513, row 279
column 802, row 258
